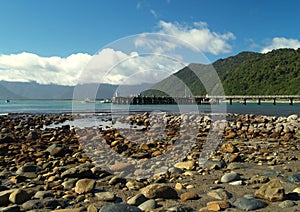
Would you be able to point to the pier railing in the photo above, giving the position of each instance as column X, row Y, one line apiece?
column 141, row 100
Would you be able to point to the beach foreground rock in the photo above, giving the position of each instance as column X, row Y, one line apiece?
column 253, row 163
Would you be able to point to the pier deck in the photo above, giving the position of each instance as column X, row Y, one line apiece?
column 146, row 100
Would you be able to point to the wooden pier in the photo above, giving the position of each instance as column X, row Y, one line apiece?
column 146, row 100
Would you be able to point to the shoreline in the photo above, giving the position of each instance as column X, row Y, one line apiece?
column 84, row 168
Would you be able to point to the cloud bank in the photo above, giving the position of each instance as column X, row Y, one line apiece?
column 114, row 66
column 281, row 42
column 199, row 36
column 26, row 67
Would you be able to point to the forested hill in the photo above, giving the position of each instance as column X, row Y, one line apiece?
column 248, row 73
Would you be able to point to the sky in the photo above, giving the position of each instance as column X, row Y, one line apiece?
column 115, row 41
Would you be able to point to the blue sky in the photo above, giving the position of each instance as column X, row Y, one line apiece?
column 35, row 29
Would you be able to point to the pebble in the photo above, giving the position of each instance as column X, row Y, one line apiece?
column 84, row 186
column 187, row 165
column 181, row 208
column 137, row 200
column 78, row 172
column 297, row 190
column 238, row 182
column 105, row 196
column 229, row 177
column 115, row 180
column 294, row 178
column 272, row 191
column 20, row 196
column 119, row 207
column 190, row 195
column 13, row 208
column 4, row 197
column 216, row 206
column 159, row 191
column 148, row 205
column 249, row 204
column 220, row 194
column 287, row 204
column 50, row 163
column 178, row 186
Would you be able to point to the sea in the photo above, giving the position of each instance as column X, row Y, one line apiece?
column 97, row 107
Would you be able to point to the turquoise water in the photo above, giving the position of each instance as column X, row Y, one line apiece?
column 69, row 106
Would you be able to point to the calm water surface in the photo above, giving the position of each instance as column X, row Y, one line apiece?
column 69, row 106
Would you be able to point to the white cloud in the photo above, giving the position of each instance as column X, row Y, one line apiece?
column 154, row 13
column 153, row 57
column 281, row 42
column 116, row 67
column 108, row 66
column 25, row 67
column 199, row 36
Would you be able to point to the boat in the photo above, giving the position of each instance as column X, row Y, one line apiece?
column 87, row 100
column 105, row 101
column 7, row 101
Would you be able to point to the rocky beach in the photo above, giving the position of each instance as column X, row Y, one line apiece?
column 170, row 162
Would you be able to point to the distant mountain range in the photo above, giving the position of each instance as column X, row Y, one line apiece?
column 33, row 90
column 248, row 73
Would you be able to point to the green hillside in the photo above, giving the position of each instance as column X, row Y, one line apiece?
column 248, row 73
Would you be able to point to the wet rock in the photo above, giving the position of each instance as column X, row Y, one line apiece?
column 249, row 204
column 13, row 208
column 78, row 172
column 272, row 191
column 53, row 203
column 32, row 204
column 84, row 186
column 105, row 196
column 69, row 183
column 148, row 205
column 119, row 207
column 213, row 165
column 174, row 170
column 159, row 191
column 33, row 135
column 20, row 196
column 57, row 150
column 220, row 194
column 229, row 177
column 116, row 179
column 4, row 197
column 121, row 167
column 137, row 200
column 29, row 170
column 43, row 194
column 294, row 178
column 190, row 195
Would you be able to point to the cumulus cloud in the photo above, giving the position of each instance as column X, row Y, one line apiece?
column 26, row 67
column 199, row 36
column 281, row 42
column 108, row 66
column 120, row 65
column 116, row 67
